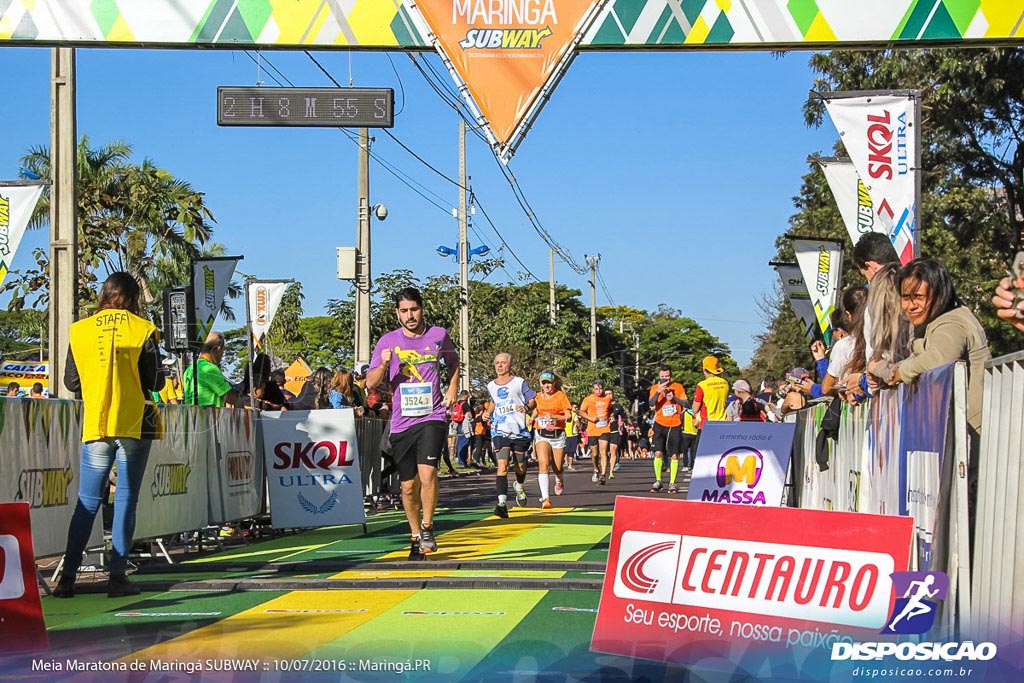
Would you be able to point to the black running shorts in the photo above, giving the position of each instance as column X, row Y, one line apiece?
column 419, row 445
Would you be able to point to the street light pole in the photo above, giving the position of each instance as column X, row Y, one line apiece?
column 463, row 262
column 362, row 281
column 592, row 261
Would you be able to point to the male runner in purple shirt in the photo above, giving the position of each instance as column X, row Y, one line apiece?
column 409, row 358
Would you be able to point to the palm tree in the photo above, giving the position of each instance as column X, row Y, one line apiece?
column 128, row 215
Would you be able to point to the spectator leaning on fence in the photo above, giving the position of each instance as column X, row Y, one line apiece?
column 114, row 362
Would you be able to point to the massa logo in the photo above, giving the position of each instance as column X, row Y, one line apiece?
column 740, row 465
column 528, row 22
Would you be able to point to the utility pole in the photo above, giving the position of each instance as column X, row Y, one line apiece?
column 463, row 263
column 551, row 276
column 362, row 281
column 592, row 261
column 63, row 213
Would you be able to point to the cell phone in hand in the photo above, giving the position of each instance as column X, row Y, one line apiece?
column 1018, row 294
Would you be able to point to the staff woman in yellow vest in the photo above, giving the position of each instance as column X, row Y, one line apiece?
column 114, row 361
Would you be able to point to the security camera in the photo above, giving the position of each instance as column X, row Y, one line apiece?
column 381, row 212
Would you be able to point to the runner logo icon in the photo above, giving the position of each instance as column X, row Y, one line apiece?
column 913, row 611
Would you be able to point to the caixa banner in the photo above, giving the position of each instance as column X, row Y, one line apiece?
column 312, row 465
column 704, row 584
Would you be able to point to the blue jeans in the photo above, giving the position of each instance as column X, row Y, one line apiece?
column 97, row 459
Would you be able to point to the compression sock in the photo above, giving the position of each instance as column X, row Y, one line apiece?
column 501, row 483
column 658, row 462
column 544, row 482
column 673, row 470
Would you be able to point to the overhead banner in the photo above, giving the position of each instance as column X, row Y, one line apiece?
column 507, row 53
column 312, row 463
column 821, row 264
column 210, row 280
column 881, row 136
column 709, row 585
column 742, row 463
column 800, row 301
column 17, row 202
column 264, row 298
column 852, row 197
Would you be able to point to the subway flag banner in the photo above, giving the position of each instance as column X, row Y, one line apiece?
column 852, row 198
column 742, row 463
column 723, row 586
column 17, row 202
column 821, row 263
column 312, row 465
column 210, row 280
column 796, row 291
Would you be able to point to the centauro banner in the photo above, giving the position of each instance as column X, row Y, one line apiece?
column 852, row 197
column 880, row 133
column 821, row 263
column 210, row 280
column 264, row 298
column 796, row 291
column 506, row 52
column 17, row 202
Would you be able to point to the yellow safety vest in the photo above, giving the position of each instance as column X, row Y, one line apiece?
column 106, row 347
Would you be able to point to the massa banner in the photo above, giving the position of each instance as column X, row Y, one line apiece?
column 507, row 52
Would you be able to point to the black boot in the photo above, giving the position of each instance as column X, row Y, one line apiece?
column 65, row 587
column 120, row 587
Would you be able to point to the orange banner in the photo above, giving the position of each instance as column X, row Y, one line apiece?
column 505, row 51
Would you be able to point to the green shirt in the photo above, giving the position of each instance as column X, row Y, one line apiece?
column 212, row 385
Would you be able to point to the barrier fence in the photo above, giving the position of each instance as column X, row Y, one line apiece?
column 207, row 470
column 998, row 580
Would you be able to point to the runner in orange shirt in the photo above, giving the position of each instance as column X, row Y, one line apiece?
column 666, row 399
column 596, row 409
column 549, row 418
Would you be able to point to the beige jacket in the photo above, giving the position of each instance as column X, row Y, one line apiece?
column 956, row 335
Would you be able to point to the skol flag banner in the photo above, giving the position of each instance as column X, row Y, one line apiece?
column 210, row 280
column 881, row 137
column 852, row 197
column 796, row 291
column 264, row 298
column 17, row 202
column 506, row 52
column 821, row 263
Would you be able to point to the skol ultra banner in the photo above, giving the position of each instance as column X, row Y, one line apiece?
column 881, row 137
column 507, row 51
column 210, row 280
column 796, row 291
column 742, row 463
column 821, row 263
column 312, row 464
column 264, row 298
column 709, row 585
column 852, row 197
column 17, row 202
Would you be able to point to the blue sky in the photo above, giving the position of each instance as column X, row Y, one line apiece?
column 678, row 168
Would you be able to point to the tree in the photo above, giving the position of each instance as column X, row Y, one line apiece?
column 128, row 215
column 22, row 334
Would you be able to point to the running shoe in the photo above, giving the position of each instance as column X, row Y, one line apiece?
column 520, row 495
column 501, row 510
column 428, row 544
column 611, row 475
column 415, row 554
column 545, row 504
column 617, row 466
column 656, row 488
column 672, row 488
column 602, row 481
column 558, row 487
column 595, row 477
